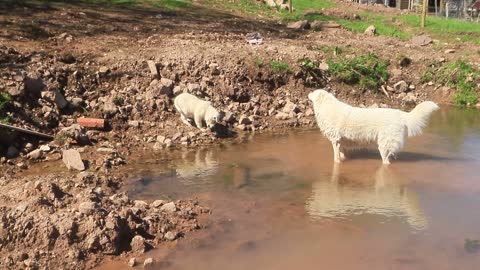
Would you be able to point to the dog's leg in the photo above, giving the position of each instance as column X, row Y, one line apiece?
column 336, row 151
column 199, row 123
column 385, row 155
column 185, row 120
column 342, row 154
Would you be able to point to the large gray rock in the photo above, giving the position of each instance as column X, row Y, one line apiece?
column 148, row 263
column 35, row 154
column 193, row 87
column 299, row 25
column 317, row 25
column 290, row 107
column 87, row 208
column 75, row 132
column 138, row 244
column 282, row 116
column 153, row 68
column 72, row 159
column 421, row 40
column 159, row 88
column 169, row 207
column 109, row 108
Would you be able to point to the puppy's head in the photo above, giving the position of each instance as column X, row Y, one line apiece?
column 213, row 117
column 318, row 95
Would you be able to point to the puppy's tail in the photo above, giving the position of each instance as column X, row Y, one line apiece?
column 417, row 119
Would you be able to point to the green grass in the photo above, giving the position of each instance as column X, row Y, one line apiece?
column 368, row 71
column 386, row 26
column 444, row 28
column 279, row 67
column 302, row 6
column 247, row 7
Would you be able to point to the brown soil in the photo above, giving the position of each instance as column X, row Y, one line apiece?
column 97, row 58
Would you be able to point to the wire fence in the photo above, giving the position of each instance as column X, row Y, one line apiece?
column 462, row 9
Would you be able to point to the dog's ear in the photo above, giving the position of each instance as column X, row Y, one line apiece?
column 221, row 115
column 313, row 96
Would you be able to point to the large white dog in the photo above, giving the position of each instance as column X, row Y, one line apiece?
column 200, row 111
column 345, row 125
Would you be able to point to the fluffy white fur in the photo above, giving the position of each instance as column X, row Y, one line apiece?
column 343, row 124
column 200, row 111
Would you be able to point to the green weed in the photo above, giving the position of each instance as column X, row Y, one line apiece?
column 279, row 67
column 368, row 71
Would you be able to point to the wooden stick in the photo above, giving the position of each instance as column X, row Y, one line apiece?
column 27, row 131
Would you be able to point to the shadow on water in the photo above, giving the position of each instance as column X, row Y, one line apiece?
column 403, row 156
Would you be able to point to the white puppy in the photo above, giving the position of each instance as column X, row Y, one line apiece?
column 344, row 124
column 191, row 107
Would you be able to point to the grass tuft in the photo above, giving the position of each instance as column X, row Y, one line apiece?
column 279, row 67
column 368, row 71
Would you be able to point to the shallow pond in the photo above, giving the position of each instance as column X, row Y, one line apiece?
column 279, row 202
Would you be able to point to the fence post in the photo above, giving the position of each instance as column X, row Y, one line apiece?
column 424, row 13
column 290, row 6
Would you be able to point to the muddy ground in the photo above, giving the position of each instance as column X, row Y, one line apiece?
column 62, row 62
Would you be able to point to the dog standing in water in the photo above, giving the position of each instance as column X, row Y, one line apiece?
column 344, row 125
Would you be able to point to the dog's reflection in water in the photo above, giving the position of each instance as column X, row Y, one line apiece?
column 386, row 197
column 196, row 165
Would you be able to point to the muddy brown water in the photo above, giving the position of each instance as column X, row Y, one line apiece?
column 279, row 202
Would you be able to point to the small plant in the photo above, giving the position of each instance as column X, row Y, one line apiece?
column 337, row 51
column 279, row 67
column 367, row 70
column 61, row 139
column 259, row 62
column 306, row 63
column 427, row 76
column 311, row 68
column 118, row 100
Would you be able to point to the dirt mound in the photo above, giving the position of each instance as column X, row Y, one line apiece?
column 76, row 221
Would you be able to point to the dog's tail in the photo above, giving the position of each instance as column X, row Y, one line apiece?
column 417, row 119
